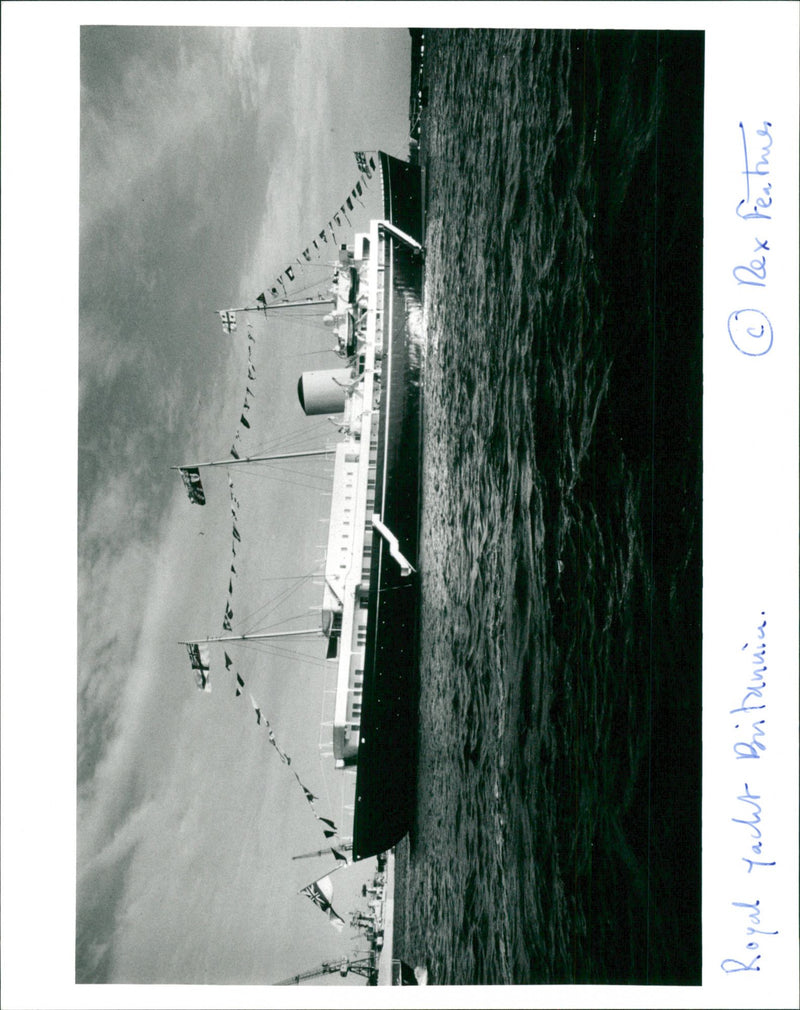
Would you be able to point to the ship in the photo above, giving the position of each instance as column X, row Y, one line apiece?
column 373, row 392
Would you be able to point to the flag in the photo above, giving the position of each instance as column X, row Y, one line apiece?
column 349, row 203
column 198, row 656
column 262, row 298
column 234, row 453
column 228, row 321
column 289, row 273
column 281, row 753
column 202, row 680
column 244, row 421
column 236, row 535
column 361, row 161
column 201, row 664
column 328, row 822
column 194, row 486
column 321, row 892
column 372, row 163
column 239, row 685
column 323, row 236
column 256, row 709
column 338, row 855
column 228, row 661
column 306, row 255
column 359, row 190
column 337, row 219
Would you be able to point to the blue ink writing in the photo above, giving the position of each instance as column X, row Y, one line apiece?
column 750, row 332
column 730, row 965
column 749, row 328
column 755, row 690
column 755, row 832
column 761, row 170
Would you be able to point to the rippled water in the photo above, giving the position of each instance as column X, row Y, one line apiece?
column 557, row 831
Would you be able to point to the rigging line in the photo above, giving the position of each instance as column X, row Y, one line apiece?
column 280, row 652
column 279, row 467
column 297, row 483
column 304, row 312
column 261, row 613
column 277, row 653
column 262, row 629
column 291, row 462
column 290, row 435
column 281, row 597
column 280, row 578
column 261, row 469
column 272, row 473
column 302, row 441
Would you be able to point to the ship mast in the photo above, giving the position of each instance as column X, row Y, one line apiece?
column 260, row 636
column 303, row 303
column 343, row 847
column 363, row 966
column 253, row 459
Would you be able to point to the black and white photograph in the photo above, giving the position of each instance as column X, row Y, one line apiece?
column 394, row 509
column 443, row 648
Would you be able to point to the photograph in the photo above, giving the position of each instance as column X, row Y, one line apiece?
column 399, row 442
column 390, row 506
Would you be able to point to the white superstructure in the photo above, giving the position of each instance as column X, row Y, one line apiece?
column 353, row 392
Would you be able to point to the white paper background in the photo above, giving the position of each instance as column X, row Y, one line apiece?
column 750, row 498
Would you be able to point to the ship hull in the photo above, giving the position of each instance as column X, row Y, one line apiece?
column 386, row 764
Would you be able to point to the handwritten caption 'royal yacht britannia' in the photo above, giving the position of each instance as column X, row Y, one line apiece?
column 749, row 747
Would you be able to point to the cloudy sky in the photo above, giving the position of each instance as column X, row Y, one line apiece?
column 209, row 158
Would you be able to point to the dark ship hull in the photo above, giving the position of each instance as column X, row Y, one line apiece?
column 386, row 764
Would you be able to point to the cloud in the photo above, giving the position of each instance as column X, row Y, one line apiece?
column 135, row 124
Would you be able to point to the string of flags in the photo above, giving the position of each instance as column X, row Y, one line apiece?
column 236, row 537
column 190, row 475
column 199, row 658
column 319, row 245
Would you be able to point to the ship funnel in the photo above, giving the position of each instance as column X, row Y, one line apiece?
column 320, row 392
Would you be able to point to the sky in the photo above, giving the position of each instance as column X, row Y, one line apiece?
column 209, row 158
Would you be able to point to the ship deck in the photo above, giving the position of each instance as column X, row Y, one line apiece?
column 385, row 974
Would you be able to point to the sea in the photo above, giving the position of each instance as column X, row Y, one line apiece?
column 556, row 836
